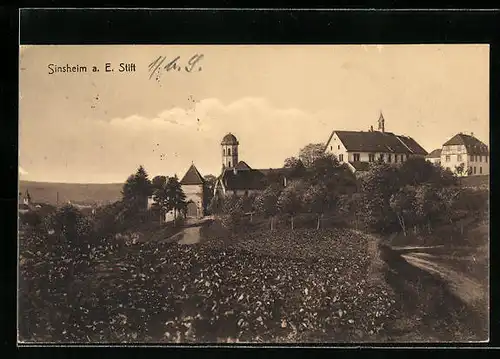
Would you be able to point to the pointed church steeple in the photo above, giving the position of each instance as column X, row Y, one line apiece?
column 381, row 122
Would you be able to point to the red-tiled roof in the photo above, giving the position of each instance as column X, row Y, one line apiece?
column 472, row 144
column 192, row 177
column 435, row 154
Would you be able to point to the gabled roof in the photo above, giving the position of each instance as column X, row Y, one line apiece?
column 243, row 180
column 412, row 145
column 242, row 166
column 192, row 177
column 376, row 141
column 435, row 154
column 472, row 144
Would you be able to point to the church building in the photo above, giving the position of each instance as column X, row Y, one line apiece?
column 359, row 148
column 237, row 177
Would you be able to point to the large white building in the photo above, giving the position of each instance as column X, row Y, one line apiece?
column 359, row 148
column 464, row 155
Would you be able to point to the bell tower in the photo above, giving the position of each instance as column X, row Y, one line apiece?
column 381, row 123
column 229, row 146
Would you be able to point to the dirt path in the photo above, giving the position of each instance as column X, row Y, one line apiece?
column 462, row 286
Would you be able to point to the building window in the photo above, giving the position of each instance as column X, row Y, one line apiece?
column 475, row 159
column 402, row 158
column 381, row 157
column 223, row 151
column 407, row 156
column 480, row 158
column 229, row 152
column 356, row 157
column 229, row 163
column 474, row 169
column 480, row 170
column 447, row 158
column 389, row 158
column 395, row 158
column 331, row 148
column 338, row 147
column 371, row 157
column 459, row 157
column 472, row 158
column 341, row 158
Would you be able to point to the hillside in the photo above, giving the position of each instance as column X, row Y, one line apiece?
column 82, row 193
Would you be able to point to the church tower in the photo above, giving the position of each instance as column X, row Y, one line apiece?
column 381, row 123
column 229, row 151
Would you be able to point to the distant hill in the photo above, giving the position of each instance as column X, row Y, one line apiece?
column 78, row 193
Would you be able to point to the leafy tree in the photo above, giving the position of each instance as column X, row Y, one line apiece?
column 215, row 206
column 266, row 203
column 311, row 152
column 298, row 169
column 290, row 200
column 208, row 190
column 158, row 183
column 160, row 196
column 232, row 208
column 379, row 183
column 136, row 190
column 176, row 198
column 403, row 205
column 427, row 204
column 316, row 201
column 70, row 224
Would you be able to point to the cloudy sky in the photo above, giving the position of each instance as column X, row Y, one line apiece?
column 99, row 127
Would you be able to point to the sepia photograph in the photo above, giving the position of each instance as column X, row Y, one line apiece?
column 273, row 194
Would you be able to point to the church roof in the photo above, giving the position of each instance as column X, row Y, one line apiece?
column 242, row 165
column 192, row 177
column 243, row 180
column 472, row 144
column 229, row 139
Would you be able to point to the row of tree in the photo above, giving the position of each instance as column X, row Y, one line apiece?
column 415, row 193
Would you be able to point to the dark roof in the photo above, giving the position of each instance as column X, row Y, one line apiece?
column 242, row 166
column 414, row 147
column 472, row 144
column 243, row 180
column 435, row 154
column 360, row 166
column 280, row 171
column 229, row 139
column 376, row 141
column 192, row 177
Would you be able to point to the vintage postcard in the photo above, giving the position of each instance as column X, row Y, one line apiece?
column 253, row 194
